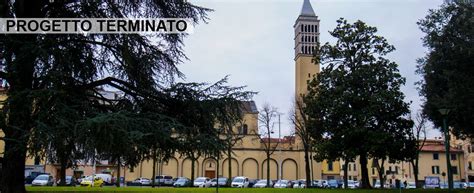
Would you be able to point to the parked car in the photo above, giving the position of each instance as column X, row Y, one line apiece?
column 301, row 183
column 333, row 184
column 240, row 182
column 468, row 185
column 43, row 180
column 252, row 182
column 107, row 178
column 92, row 181
column 377, row 184
column 222, row 182
column 32, row 176
column 142, row 181
column 263, row 184
column 70, row 181
column 202, row 182
column 411, row 185
column 282, row 184
column 183, row 182
column 458, row 185
column 164, row 180
column 351, row 184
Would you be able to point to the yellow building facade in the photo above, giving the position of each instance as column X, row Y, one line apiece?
column 432, row 163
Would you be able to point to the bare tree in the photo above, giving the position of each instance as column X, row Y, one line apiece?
column 232, row 136
column 419, row 133
column 267, row 118
column 300, row 122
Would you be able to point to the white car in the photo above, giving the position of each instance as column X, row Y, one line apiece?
column 240, row 182
column 107, row 178
column 202, row 182
column 468, row 185
column 351, row 184
column 411, row 185
column 324, row 183
column 43, row 180
column 301, row 183
column 282, row 184
column 142, row 181
column 263, row 184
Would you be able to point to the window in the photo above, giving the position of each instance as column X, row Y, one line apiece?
column 132, row 170
column 245, row 129
column 349, row 168
column 470, row 166
column 373, row 171
column 396, row 169
column 309, row 75
column 454, row 169
column 329, row 166
column 435, row 156
column 316, row 28
column 302, row 27
column 453, row 156
column 355, row 167
column 435, row 169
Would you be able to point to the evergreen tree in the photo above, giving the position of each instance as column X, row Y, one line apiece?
column 355, row 103
column 447, row 68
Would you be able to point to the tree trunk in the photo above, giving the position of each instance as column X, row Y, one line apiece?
column 364, row 172
column 153, row 173
column 19, row 122
column 13, row 179
column 307, row 166
column 118, row 173
column 18, row 109
column 268, row 169
column 381, row 171
column 414, row 163
column 193, row 160
column 229, row 158
column 62, row 172
column 344, row 167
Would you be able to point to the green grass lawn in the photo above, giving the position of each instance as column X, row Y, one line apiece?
column 221, row 190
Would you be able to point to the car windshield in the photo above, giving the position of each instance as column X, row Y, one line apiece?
column 238, row 180
column 181, row 180
column 283, row 181
column 200, row 180
column 42, row 177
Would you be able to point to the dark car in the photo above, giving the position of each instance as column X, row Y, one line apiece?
column 252, row 182
column 32, row 176
column 70, row 181
column 183, row 182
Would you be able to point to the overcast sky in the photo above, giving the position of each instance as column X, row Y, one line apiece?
column 252, row 41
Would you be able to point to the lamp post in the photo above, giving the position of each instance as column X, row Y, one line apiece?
column 444, row 113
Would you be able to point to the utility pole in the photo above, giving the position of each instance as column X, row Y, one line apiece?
column 279, row 140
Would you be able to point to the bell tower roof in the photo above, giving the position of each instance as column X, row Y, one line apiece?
column 307, row 9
